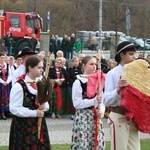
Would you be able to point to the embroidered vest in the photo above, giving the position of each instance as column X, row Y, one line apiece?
column 29, row 98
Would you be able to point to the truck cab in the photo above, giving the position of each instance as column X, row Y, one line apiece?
column 22, row 26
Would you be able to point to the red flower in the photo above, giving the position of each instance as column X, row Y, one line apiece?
column 34, row 147
column 80, row 135
column 37, row 105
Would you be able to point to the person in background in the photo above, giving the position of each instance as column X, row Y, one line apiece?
column 72, row 72
column 111, row 64
column 44, row 59
column 18, row 62
column 26, row 110
column 124, row 135
column 52, row 44
column 57, row 45
column 141, row 55
column 5, row 79
column 7, row 60
column 64, row 45
column 59, row 91
column 93, row 43
column 12, row 67
column 72, row 41
column 81, row 56
column 64, row 63
column 8, row 42
column 85, row 126
column 33, row 41
column 42, row 56
column 77, row 47
column 12, row 64
column 103, row 62
column 69, row 48
column 60, row 54
column 24, row 54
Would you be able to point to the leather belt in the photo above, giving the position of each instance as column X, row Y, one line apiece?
column 88, row 108
column 118, row 110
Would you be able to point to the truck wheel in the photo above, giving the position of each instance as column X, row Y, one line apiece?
column 22, row 44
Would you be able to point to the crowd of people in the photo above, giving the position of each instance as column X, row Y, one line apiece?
column 18, row 77
column 69, row 45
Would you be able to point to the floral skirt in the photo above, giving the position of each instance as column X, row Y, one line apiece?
column 84, row 131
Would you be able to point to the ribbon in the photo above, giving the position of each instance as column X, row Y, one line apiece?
column 93, row 83
column 96, row 129
column 21, row 77
column 33, row 85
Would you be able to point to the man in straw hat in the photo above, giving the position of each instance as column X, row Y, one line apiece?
column 124, row 135
column 24, row 54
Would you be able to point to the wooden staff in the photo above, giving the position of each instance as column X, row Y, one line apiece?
column 48, row 64
column 99, row 87
column 98, row 90
column 98, row 126
column 46, row 76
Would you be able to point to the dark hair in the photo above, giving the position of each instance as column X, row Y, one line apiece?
column 32, row 61
column 124, row 52
column 1, row 54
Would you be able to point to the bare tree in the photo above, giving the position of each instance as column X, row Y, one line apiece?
column 68, row 16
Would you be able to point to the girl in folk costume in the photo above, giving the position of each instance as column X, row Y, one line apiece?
column 59, row 91
column 85, row 134
column 5, row 79
column 26, row 110
column 72, row 72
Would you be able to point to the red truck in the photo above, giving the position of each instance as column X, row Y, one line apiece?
column 22, row 26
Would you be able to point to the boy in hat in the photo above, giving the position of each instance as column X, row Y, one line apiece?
column 124, row 135
column 24, row 54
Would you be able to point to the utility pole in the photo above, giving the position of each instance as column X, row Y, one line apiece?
column 128, row 24
column 48, row 21
column 116, row 36
column 100, row 24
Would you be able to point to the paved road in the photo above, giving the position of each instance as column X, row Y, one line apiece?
column 60, row 130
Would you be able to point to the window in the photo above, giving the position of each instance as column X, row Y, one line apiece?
column 15, row 21
column 31, row 22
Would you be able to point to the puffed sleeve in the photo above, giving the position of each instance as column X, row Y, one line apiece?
column 78, row 101
column 16, row 103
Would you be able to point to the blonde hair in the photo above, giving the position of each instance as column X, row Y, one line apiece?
column 75, row 58
column 59, row 59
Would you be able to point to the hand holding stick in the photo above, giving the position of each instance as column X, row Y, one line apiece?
column 44, row 88
column 99, row 87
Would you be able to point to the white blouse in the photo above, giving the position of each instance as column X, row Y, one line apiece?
column 111, row 97
column 18, row 72
column 16, row 100
column 78, row 101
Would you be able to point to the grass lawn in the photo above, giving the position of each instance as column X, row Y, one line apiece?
column 145, row 145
